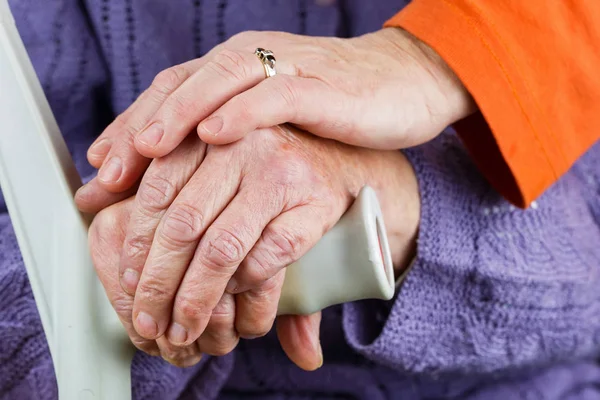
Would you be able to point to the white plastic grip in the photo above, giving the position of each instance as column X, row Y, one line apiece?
column 89, row 347
column 352, row 261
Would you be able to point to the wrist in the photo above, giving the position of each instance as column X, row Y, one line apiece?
column 453, row 102
column 393, row 179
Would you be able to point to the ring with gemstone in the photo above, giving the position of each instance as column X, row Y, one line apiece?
column 268, row 60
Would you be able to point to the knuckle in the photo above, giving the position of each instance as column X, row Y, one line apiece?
column 243, row 108
column 221, row 348
column 309, row 66
column 146, row 346
column 243, row 38
column 156, row 193
column 283, row 243
column 175, row 360
column 137, row 245
column 103, row 225
column 169, row 79
column 253, row 328
column 288, row 91
column 221, row 323
column 181, row 107
column 287, row 171
column 224, row 310
column 105, row 237
column 220, row 336
column 95, row 232
column 126, row 129
column 191, row 308
column 260, row 310
column 152, row 291
column 180, row 357
column 230, row 65
column 183, row 225
column 259, row 268
column 121, row 120
column 282, row 177
column 122, row 307
column 224, row 251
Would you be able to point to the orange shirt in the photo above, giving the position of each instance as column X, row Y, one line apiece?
column 533, row 68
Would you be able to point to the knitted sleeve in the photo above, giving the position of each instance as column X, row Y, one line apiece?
column 493, row 286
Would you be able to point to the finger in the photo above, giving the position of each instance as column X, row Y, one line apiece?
column 160, row 185
column 105, row 237
column 92, row 198
column 287, row 238
column 222, row 248
column 257, row 308
column 299, row 338
column 100, row 148
column 123, row 165
column 220, row 337
column 182, row 357
column 209, row 191
column 308, row 103
column 224, row 75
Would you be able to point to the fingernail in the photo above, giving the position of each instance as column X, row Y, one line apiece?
column 316, row 323
column 232, row 286
column 111, row 171
column 130, row 280
column 213, row 125
column 146, row 325
column 320, row 356
column 152, row 135
column 100, row 148
column 177, row 334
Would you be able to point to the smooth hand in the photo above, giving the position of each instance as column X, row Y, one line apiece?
column 202, row 248
column 384, row 90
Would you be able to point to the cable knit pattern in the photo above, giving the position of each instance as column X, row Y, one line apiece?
column 501, row 304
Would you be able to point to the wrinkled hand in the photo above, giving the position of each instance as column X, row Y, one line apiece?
column 298, row 334
column 383, row 90
column 206, row 219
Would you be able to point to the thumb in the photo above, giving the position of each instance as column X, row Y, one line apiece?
column 299, row 338
column 106, row 236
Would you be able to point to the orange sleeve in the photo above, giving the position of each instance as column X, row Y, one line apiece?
column 533, row 68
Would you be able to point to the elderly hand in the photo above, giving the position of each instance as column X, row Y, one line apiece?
column 210, row 218
column 383, row 90
column 298, row 334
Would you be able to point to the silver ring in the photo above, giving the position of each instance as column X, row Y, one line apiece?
column 268, row 61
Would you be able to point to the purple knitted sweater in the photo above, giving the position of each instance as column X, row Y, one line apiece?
column 501, row 303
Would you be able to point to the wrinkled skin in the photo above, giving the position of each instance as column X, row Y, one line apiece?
column 384, row 90
column 205, row 241
column 212, row 228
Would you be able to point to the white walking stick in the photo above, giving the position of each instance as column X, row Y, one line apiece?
column 90, row 350
column 88, row 345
